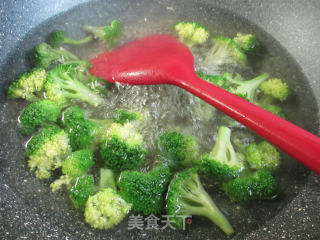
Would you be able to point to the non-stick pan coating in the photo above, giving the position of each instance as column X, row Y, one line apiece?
column 288, row 30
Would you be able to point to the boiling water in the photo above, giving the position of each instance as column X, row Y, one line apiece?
column 164, row 108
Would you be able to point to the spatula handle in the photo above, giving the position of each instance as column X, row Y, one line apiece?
column 288, row 137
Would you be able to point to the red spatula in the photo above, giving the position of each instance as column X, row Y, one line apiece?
column 161, row 59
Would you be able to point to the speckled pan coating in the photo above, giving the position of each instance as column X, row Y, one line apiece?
column 294, row 23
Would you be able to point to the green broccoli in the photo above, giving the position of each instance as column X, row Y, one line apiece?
column 82, row 71
column 40, row 113
column 72, row 114
column 248, row 88
column 275, row 109
column 75, row 165
column 47, row 150
column 217, row 80
column 98, row 85
column 191, row 33
column 123, row 148
column 262, row 156
column 222, row 82
column 109, row 34
column 83, row 133
column 186, row 196
column 123, row 116
column 106, row 209
column 82, row 189
column 78, row 163
column 62, row 86
column 146, row 191
column 59, row 37
column 248, row 42
column 223, row 162
column 180, row 150
column 29, row 85
column 260, row 185
column 225, row 51
column 241, row 139
column 203, row 110
column 44, row 56
column 276, row 88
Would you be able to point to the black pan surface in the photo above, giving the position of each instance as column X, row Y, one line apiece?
column 28, row 209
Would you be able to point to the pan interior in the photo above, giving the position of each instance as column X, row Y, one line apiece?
column 141, row 18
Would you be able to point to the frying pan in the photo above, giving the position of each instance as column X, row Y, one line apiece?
column 289, row 32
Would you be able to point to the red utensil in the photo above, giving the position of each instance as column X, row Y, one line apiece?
column 161, row 59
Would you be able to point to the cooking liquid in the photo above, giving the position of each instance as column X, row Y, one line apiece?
column 164, row 108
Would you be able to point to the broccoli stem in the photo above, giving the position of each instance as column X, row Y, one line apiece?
column 97, row 32
column 249, row 86
column 77, row 90
column 85, row 95
column 211, row 211
column 65, row 54
column 78, row 41
column 80, row 62
column 223, row 148
column 207, row 208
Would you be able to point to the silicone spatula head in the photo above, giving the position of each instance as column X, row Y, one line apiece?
column 157, row 59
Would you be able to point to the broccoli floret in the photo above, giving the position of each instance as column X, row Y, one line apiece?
column 276, row 88
column 98, row 85
column 106, row 209
column 28, row 85
column 180, row 150
column 44, row 56
column 146, row 191
column 241, row 139
column 83, row 133
column 247, row 88
column 225, row 51
column 41, row 113
column 109, row 34
column 203, row 109
column 82, row 71
column 191, row 33
column 217, row 80
column 123, row 148
column 83, row 188
column 62, row 86
column 75, row 165
column 260, row 185
column 123, row 116
column 47, row 150
column 262, row 156
column 275, row 109
column 248, row 42
column 186, row 196
column 59, row 37
column 71, row 114
column 223, row 162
